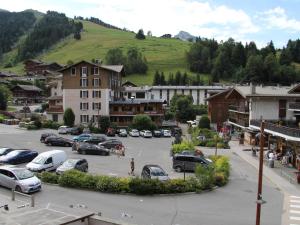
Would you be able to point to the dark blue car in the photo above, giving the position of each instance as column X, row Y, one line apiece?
column 18, row 156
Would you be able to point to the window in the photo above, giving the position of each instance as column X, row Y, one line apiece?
column 84, row 105
column 84, row 94
column 55, row 117
column 96, row 105
column 160, row 94
column 83, row 71
column 83, row 82
column 282, row 109
column 73, row 71
column 95, row 118
column 96, row 82
column 140, row 95
column 49, row 160
column 84, row 118
column 96, row 94
column 95, row 70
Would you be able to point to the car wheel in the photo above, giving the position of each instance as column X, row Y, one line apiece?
column 178, row 169
column 67, row 145
column 83, row 152
column 18, row 189
column 86, row 169
column 49, row 143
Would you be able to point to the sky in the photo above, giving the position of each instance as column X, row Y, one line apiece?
column 243, row 20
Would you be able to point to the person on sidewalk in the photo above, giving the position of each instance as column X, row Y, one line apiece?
column 131, row 167
column 271, row 159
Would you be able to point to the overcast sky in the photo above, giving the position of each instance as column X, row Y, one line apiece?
column 243, row 20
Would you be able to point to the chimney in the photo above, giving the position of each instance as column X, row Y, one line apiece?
column 252, row 88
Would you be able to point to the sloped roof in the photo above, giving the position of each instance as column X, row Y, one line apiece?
column 29, row 88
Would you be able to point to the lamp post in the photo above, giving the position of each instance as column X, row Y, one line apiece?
column 260, row 201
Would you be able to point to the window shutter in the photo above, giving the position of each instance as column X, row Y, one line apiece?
column 80, row 94
column 93, row 94
column 87, row 71
column 80, row 105
column 92, row 71
column 99, row 104
column 80, row 82
column 87, row 82
column 80, row 71
column 87, row 116
column 87, row 94
column 99, row 94
column 87, row 106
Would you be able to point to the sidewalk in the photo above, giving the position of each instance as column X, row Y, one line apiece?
column 283, row 177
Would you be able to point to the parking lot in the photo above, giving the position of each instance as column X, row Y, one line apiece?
column 143, row 150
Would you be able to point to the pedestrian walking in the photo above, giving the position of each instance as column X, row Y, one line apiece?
column 131, row 167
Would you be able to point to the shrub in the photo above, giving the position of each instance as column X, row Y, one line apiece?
column 72, row 178
column 145, row 186
column 31, row 127
column 47, row 177
column 220, row 179
column 69, row 117
column 111, row 184
column 38, row 124
column 204, row 122
column 210, row 144
column 193, row 184
column 175, row 186
column 222, row 165
column 205, row 176
column 183, row 146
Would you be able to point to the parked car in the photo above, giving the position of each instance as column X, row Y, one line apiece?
column 167, row 133
column 91, row 149
column 47, row 161
column 142, row 133
column 4, row 151
column 63, row 129
column 186, row 162
column 75, row 131
column 96, row 139
column 77, row 164
column 19, row 179
column 122, row 133
column 111, row 132
column 154, row 172
column 157, row 133
column 110, row 143
column 147, row 134
column 18, row 156
column 134, row 133
column 82, row 137
column 58, row 141
column 45, row 135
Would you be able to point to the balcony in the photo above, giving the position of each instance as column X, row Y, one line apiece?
column 238, row 119
column 289, row 129
column 55, row 109
column 238, row 108
column 294, row 106
column 132, row 113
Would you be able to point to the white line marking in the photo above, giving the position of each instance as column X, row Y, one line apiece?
column 293, row 196
column 295, row 206
column 295, row 201
column 295, row 211
column 294, row 218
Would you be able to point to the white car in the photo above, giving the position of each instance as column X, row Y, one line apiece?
column 142, row 132
column 19, row 179
column 167, row 133
column 63, row 129
column 134, row 133
column 147, row 134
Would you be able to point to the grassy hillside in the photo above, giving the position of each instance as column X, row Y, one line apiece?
column 166, row 55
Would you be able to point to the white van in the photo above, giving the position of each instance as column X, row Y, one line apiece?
column 47, row 161
column 63, row 129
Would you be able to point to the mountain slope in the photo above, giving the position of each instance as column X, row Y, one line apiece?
column 166, row 55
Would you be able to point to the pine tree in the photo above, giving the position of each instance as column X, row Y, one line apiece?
column 162, row 79
column 156, row 79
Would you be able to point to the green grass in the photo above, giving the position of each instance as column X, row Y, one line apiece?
column 166, row 55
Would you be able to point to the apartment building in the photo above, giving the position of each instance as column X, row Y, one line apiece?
column 165, row 93
column 89, row 87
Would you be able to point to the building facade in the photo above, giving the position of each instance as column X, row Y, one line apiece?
column 166, row 93
column 88, row 88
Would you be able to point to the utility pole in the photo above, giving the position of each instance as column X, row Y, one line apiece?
column 260, row 173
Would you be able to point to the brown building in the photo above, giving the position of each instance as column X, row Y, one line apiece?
column 26, row 94
column 33, row 66
column 122, row 111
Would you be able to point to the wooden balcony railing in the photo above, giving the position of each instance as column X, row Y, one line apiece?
column 289, row 130
column 160, row 112
column 55, row 108
column 241, row 122
column 238, row 108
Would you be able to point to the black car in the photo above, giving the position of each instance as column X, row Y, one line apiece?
column 187, row 162
column 91, row 149
column 96, row 139
column 58, row 141
column 75, row 131
column 111, row 143
column 18, row 156
column 157, row 133
column 45, row 135
column 4, row 151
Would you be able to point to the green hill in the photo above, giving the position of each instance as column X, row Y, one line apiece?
column 166, row 55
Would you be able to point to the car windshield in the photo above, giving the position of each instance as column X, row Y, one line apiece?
column 2, row 150
column 134, row 131
column 13, row 153
column 157, row 172
column 39, row 160
column 147, row 132
column 70, row 163
column 23, row 174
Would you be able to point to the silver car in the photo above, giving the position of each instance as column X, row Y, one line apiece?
column 19, row 179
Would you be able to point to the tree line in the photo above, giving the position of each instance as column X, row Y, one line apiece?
column 12, row 26
column 49, row 30
column 179, row 79
column 134, row 61
column 234, row 61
